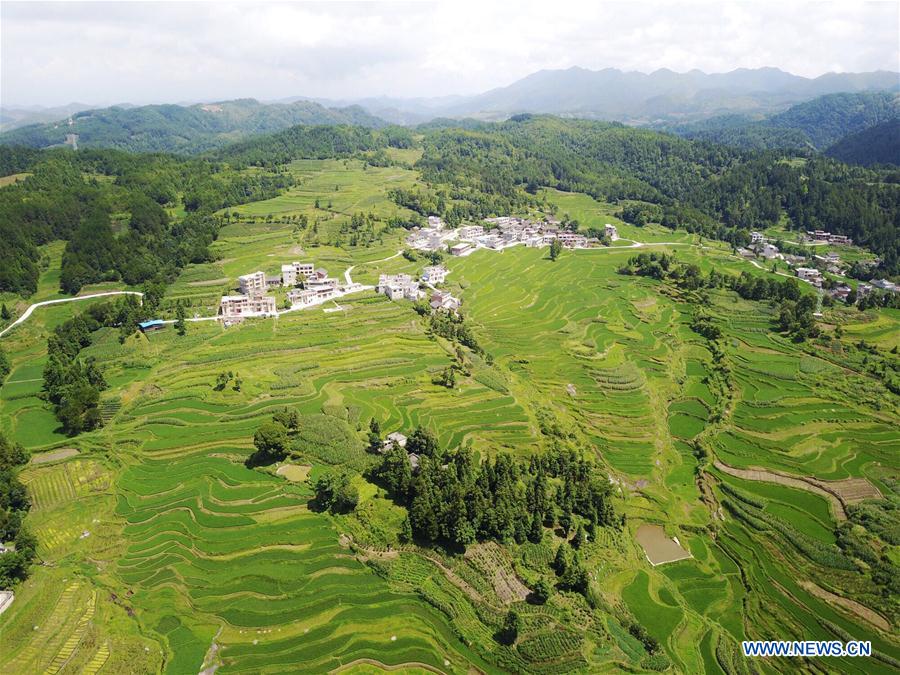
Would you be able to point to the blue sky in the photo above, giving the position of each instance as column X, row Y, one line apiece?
column 143, row 52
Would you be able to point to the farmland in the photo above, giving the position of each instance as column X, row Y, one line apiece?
column 165, row 552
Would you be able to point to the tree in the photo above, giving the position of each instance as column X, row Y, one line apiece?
column 555, row 249
column 336, row 493
column 238, row 382
column 561, row 560
column 536, row 532
column 4, row 313
column 288, row 417
column 406, row 533
column 78, row 407
column 5, row 365
column 509, row 632
column 180, row 325
column 375, row 442
column 222, row 380
column 422, row 442
column 541, row 592
column 271, row 442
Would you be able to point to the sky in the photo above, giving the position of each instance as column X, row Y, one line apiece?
column 102, row 53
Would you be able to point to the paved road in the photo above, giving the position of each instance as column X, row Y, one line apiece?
column 33, row 307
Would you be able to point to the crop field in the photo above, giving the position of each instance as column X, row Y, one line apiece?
column 166, row 553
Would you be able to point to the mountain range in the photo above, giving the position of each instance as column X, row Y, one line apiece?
column 187, row 129
column 639, row 98
column 747, row 108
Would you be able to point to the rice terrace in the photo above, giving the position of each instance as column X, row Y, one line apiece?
column 322, row 392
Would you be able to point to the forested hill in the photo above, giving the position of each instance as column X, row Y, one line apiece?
column 110, row 208
column 813, row 126
column 703, row 187
column 183, row 129
column 314, row 142
column 113, row 207
column 877, row 145
column 725, row 192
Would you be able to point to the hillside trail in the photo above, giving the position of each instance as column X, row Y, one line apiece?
column 58, row 301
column 370, row 262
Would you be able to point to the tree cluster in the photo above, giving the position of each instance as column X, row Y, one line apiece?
column 453, row 499
column 14, row 505
column 74, row 384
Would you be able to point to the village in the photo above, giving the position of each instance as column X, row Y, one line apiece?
column 308, row 286
column 499, row 233
column 812, row 269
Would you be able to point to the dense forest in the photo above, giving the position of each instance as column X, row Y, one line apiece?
column 110, row 207
column 806, row 127
column 452, row 498
column 14, row 505
column 876, row 145
column 183, row 129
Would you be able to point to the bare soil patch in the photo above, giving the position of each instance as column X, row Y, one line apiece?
column 852, row 606
column 658, row 547
column 295, row 473
column 54, row 455
column 839, row 493
column 492, row 559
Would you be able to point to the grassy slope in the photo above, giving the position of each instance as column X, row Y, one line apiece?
column 191, row 542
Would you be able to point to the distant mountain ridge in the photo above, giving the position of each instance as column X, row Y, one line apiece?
column 639, row 98
column 189, row 129
column 876, row 145
column 813, row 125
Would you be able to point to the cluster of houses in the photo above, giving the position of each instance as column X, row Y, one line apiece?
column 405, row 287
column 398, row 440
column 431, row 238
column 820, row 236
column 501, row 232
column 253, row 301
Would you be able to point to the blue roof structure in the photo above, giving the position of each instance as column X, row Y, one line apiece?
column 153, row 323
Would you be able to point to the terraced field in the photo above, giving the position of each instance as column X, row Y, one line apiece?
column 165, row 553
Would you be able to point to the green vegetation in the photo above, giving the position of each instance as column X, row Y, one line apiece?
column 569, row 403
column 187, row 129
column 818, row 124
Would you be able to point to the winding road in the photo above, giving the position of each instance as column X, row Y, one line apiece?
column 58, row 301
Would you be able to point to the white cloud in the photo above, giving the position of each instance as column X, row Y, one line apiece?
column 53, row 53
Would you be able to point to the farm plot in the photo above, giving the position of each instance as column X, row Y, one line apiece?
column 293, row 598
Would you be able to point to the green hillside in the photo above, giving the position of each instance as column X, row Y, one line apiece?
column 183, row 129
column 812, row 125
column 631, row 457
column 879, row 144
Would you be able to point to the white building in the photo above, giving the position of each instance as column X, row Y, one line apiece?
column 768, row 251
column 471, row 232
column 809, row 274
column 253, row 284
column 435, row 222
column 398, row 286
column 459, row 249
column 299, row 296
column 395, row 439
column 757, row 238
column 885, row 285
column 290, row 274
column 611, row 231
column 434, row 274
column 235, row 306
column 572, row 240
